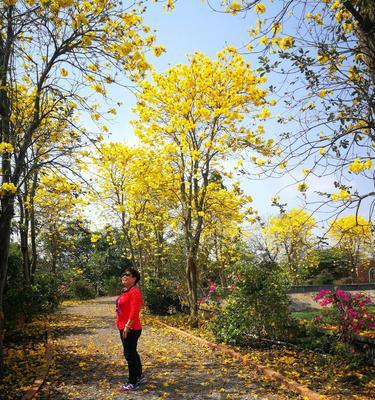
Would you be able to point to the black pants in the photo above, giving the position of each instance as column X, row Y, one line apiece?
column 131, row 354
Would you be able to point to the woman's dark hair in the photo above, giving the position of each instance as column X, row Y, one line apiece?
column 134, row 273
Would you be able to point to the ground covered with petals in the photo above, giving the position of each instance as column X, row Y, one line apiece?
column 25, row 348
column 88, row 363
column 318, row 372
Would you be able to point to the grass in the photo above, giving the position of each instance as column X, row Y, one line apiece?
column 308, row 315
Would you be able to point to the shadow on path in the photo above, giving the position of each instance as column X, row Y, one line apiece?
column 89, row 363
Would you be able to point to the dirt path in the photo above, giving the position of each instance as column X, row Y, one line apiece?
column 89, row 363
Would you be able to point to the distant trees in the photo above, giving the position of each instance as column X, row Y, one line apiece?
column 353, row 235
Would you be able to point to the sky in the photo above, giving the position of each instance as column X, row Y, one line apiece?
column 193, row 26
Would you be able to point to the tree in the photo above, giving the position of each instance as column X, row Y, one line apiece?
column 58, row 201
column 354, row 237
column 135, row 195
column 194, row 115
column 325, row 53
column 57, row 148
column 292, row 238
column 223, row 231
column 57, row 50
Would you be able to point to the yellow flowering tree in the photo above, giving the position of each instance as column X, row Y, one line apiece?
column 57, row 144
column 353, row 235
column 291, row 238
column 57, row 55
column 57, row 201
column 227, row 213
column 325, row 49
column 134, row 188
column 195, row 115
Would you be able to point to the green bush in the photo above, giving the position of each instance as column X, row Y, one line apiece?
column 161, row 297
column 258, row 306
column 323, row 278
column 82, row 289
column 22, row 302
column 111, row 286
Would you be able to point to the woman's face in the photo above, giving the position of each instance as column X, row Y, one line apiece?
column 128, row 280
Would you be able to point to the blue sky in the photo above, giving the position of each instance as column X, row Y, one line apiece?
column 191, row 27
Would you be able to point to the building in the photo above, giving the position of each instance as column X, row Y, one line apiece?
column 366, row 272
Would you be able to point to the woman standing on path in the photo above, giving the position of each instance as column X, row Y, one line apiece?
column 128, row 306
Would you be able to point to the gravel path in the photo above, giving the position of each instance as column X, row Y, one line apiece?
column 89, row 363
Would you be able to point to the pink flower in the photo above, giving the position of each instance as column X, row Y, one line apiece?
column 340, row 293
column 322, row 294
column 212, row 288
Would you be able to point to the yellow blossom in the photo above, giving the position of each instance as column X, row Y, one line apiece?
column 342, row 195
column 235, row 7
column 260, row 8
column 6, row 147
column 65, row 3
column 265, row 113
column 264, row 40
column 306, row 171
column 357, row 166
column 159, row 50
column 323, row 93
column 323, row 58
column 276, row 27
column 318, row 18
column 7, row 187
column 286, row 42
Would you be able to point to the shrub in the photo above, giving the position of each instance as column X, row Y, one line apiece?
column 258, row 305
column 161, row 297
column 111, row 286
column 82, row 289
column 21, row 303
column 348, row 313
column 323, row 278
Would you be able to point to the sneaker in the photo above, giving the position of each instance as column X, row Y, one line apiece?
column 141, row 379
column 128, row 387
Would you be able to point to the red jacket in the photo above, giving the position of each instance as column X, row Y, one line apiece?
column 128, row 306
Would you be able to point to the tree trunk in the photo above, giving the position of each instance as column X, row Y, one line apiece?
column 160, row 245
column 34, row 258
column 192, row 284
column 24, row 232
column 7, row 205
column 33, row 233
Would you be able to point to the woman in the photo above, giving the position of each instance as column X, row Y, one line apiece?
column 128, row 306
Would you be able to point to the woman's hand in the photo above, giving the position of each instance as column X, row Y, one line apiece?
column 125, row 332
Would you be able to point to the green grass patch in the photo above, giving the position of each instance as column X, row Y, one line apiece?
column 307, row 315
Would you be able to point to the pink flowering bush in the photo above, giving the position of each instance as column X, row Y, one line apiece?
column 215, row 294
column 347, row 312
